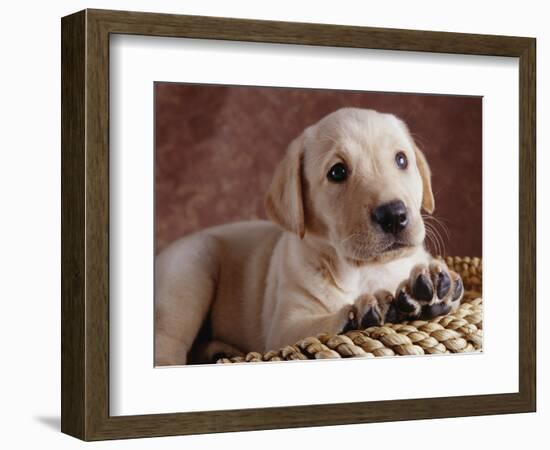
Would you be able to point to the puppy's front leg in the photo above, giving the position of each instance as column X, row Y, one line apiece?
column 298, row 323
column 290, row 327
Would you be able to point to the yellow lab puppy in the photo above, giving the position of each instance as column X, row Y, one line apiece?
column 345, row 249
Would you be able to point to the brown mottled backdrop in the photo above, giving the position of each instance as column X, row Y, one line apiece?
column 217, row 146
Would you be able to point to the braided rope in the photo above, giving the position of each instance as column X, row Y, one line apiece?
column 459, row 332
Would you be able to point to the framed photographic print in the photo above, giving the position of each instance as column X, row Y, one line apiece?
column 270, row 224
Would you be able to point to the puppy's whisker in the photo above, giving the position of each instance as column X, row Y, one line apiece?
column 431, row 240
column 435, row 238
column 434, row 224
column 441, row 241
column 440, row 222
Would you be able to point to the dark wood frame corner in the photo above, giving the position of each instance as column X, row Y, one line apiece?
column 85, row 224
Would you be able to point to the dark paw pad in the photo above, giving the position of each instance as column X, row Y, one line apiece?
column 352, row 323
column 458, row 289
column 422, row 288
column 392, row 315
column 443, row 284
column 404, row 303
column 437, row 309
column 371, row 318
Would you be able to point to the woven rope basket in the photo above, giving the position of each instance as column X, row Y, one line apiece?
column 455, row 333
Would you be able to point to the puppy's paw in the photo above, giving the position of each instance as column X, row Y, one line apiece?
column 367, row 311
column 431, row 290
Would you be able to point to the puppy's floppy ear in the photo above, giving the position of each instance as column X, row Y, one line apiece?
column 283, row 201
column 428, row 202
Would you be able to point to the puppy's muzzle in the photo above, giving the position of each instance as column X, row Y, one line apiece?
column 392, row 217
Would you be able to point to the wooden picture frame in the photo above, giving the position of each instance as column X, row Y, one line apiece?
column 85, row 224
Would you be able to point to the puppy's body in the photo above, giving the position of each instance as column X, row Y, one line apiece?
column 264, row 285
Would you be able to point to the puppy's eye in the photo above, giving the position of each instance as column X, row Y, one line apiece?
column 338, row 173
column 401, row 160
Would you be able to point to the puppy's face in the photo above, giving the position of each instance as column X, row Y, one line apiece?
column 357, row 180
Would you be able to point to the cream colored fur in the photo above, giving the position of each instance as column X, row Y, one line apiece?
column 263, row 285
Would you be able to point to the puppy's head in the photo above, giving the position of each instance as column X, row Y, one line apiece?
column 357, row 180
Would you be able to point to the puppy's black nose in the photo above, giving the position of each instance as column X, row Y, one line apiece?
column 392, row 217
